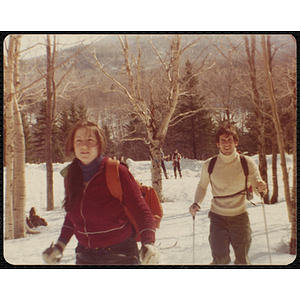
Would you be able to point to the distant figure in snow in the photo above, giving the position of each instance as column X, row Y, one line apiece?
column 229, row 220
column 176, row 157
column 104, row 232
column 163, row 163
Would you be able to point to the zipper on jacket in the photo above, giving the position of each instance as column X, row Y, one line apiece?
column 81, row 212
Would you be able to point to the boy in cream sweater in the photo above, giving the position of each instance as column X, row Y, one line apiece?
column 229, row 220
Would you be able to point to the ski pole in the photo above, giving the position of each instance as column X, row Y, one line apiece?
column 193, row 240
column 266, row 230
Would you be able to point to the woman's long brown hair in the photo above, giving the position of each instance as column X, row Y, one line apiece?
column 74, row 178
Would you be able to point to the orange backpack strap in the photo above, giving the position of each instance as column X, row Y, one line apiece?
column 153, row 203
column 113, row 178
column 114, row 185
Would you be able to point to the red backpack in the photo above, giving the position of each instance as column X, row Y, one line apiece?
column 149, row 194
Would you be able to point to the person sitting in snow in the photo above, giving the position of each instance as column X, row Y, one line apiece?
column 229, row 220
column 103, row 230
column 176, row 157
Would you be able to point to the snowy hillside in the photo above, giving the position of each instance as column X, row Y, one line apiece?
column 176, row 225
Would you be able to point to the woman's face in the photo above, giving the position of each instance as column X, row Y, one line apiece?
column 86, row 146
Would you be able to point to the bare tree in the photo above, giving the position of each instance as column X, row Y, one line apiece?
column 9, row 141
column 14, row 146
column 259, row 109
column 222, row 81
column 19, row 161
column 15, row 199
column 280, row 139
column 274, row 197
column 51, row 95
column 155, row 117
column 292, row 86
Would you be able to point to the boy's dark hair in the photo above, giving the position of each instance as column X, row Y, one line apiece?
column 227, row 129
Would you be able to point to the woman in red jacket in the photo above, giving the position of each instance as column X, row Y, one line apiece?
column 104, row 233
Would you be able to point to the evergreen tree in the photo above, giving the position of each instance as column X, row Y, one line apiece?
column 81, row 112
column 38, row 133
column 248, row 136
column 73, row 114
column 192, row 136
column 110, row 149
column 29, row 149
column 64, row 127
column 68, row 116
column 135, row 148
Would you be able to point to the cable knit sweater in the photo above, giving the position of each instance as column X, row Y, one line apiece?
column 227, row 178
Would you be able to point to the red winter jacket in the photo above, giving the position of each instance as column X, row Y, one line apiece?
column 98, row 219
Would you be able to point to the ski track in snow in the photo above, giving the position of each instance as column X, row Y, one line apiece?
column 176, row 225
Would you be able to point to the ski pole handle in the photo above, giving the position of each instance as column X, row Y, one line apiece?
column 261, row 194
column 194, row 208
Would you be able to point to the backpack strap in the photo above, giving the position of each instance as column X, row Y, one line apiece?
column 113, row 178
column 211, row 166
column 245, row 169
column 114, row 185
column 244, row 165
column 243, row 162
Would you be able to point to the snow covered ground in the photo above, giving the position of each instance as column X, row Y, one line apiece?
column 176, row 225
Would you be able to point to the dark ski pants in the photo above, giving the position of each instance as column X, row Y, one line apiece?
column 124, row 253
column 177, row 166
column 164, row 169
column 230, row 230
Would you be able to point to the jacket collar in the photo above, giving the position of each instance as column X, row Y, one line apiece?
column 90, row 170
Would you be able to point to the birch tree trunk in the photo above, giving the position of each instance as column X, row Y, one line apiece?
column 9, row 137
column 274, row 197
column 19, row 161
column 48, row 133
column 293, row 246
column 277, row 125
column 293, row 243
column 157, row 133
column 19, row 177
column 261, row 144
